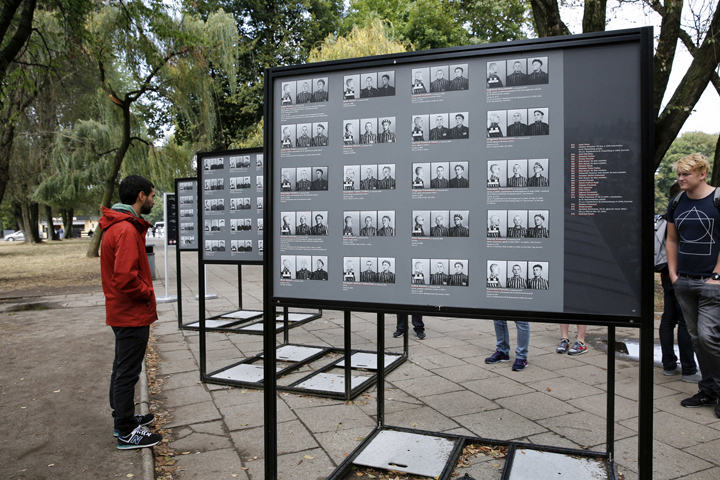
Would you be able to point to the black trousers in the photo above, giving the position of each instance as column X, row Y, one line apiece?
column 417, row 322
column 130, row 345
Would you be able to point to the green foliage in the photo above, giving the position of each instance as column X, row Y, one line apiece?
column 157, row 214
column 373, row 39
column 254, row 139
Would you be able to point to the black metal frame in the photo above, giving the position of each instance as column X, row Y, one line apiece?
column 644, row 321
column 178, row 250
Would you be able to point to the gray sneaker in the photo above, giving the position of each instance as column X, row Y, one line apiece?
column 695, row 378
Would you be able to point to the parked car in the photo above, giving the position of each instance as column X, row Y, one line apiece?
column 15, row 236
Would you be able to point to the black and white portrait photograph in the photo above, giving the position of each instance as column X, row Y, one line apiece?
column 538, row 276
column 420, row 225
column 246, row 203
column 459, row 175
column 367, row 223
column 496, row 274
column 538, row 224
column 234, row 163
column 320, row 267
column 233, row 183
column 248, row 224
column 439, row 175
column 386, row 223
column 303, row 222
column 221, row 245
column 208, row 184
column 319, row 182
column 259, row 182
column 369, row 85
column 516, row 274
column 368, row 269
column 495, row 74
column 186, row 200
column 351, row 180
column 303, row 267
column 439, row 271
column 259, row 203
column 259, row 160
column 368, row 177
column 439, row 79
column 187, row 227
column 351, row 223
column 208, row 205
column 260, row 245
column 208, row 225
column 459, row 77
column 320, row 90
column 303, row 179
column 206, row 164
column 287, row 267
column 387, row 180
column 220, row 204
column 386, row 83
column 538, row 174
column 440, row 127
column 387, row 270
column 187, row 240
column 260, row 225
column 369, row 131
column 420, row 271
column 321, row 134
column 351, row 87
column 539, row 73
column 517, row 173
column 287, row 223
column 248, row 245
column 516, row 123
column 517, row 224
column 420, row 173
column 216, row 245
column 516, row 72
column 304, row 135
column 538, row 123
column 497, row 173
column 459, row 128
column 350, row 269
column 440, row 223
column 208, row 245
column 497, row 223
column 496, row 121
column 287, row 139
column 420, row 128
column 233, row 225
column 221, row 224
column 185, row 186
column 234, row 246
column 420, row 81
column 187, row 213
column 304, row 91
column 459, row 223
column 350, row 132
column 320, row 223
column 459, row 273
column 288, row 94
column 287, row 183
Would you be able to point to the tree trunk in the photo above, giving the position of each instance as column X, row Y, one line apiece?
column 594, row 16
column 670, row 30
column 52, row 234
column 30, row 213
column 17, row 213
column 715, row 181
column 546, row 14
column 67, row 216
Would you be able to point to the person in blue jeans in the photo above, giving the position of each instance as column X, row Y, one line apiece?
column 502, row 336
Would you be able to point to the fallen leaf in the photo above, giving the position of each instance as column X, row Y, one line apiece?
column 185, row 453
column 549, row 389
column 308, row 457
column 57, row 391
column 51, row 465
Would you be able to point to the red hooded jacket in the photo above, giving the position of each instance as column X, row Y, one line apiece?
column 126, row 276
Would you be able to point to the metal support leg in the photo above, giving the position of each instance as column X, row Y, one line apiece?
column 240, row 286
column 610, row 415
column 645, row 405
column 286, row 325
column 380, row 370
column 348, row 366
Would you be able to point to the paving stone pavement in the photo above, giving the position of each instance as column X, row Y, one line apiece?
column 445, row 386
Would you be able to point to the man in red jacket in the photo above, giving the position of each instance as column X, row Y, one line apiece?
column 129, row 304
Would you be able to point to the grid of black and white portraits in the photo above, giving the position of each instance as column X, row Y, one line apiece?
column 304, row 223
column 187, row 213
column 239, row 204
column 215, row 184
column 533, row 172
column 440, row 78
column 187, row 227
column 241, row 245
column 440, row 271
column 440, row 126
column 214, row 245
column 369, row 177
column 439, row 175
column 185, row 187
column 440, row 223
column 304, row 179
column 517, row 72
column 240, row 224
column 520, row 275
column 187, row 239
column 240, row 162
column 518, row 224
column 313, row 90
column 369, row 131
column 239, row 183
column 369, row 223
column 368, row 85
column 303, row 135
column 522, row 122
column 368, row 270
column 215, row 205
column 214, row 164
column 304, row 267
column 186, row 200
column 215, row 225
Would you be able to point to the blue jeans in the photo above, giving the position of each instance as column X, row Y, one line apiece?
column 502, row 334
column 672, row 316
column 700, row 302
column 417, row 322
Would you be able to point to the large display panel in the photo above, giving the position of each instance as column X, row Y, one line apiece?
column 231, row 201
column 187, row 213
column 506, row 178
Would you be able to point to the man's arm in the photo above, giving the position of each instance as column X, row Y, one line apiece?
column 126, row 272
column 671, row 249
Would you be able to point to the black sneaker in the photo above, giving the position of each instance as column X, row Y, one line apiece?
column 138, row 438
column 420, row 335
column 398, row 333
column 142, row 421
column 700, row 399
column 497, row 357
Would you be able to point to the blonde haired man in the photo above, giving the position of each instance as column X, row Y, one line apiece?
column 693, row 250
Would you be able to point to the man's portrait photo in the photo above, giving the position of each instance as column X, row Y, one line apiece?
column 440, row 223
column 386, row 219
column 439, row 79
column 369, row 269
column 368, row 223
column 258, row 182
column 439, row 130
column 496, row 223
column 302, row 223
column 517, row 72
column 459, row 77
column 259, row 203
column 303, row 179
column 420, row 78
column 495, row 74
column 350, row 273
column 517, row 224
column 287, row 140
column 260, row 246
column 439, row 175
column 496, row 274
column 319, row 182
column 439, row 272
column 517, row 123
column 419, row 128
column 304, row 135
column 319, row 226
column 386, row 133
column 387, row 270
column 320, row 90
column 419, row 175
column 460, row 175
column 539, row 224
column 369, row 85
column 320, row 132
column 287, row 267
column 288, row 94
column 539, row 73
column 303, row 266
column 259, row 160
column 352, row 178
column 459, row 274
column 319, row 268
column 369, row 131
column 460, row 129
column 387, row 180
column 420, row 272
column 234, row 162
column 419, row 227
column 386, row 84
column 351, row 87
column 517, row 275
column 220, row 204
column 538, row 276
column 368, row 177
column 460, row 226
column 350, row 129
column 287, row 223
column 351, row 223
column 496, row 123
column 538, row 175
column 517, row 173
column 260, row 225
column 538, row 121
column 287, row 182
column 304, row 94
column 221, row 245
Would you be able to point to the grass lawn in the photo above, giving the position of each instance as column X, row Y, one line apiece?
column 49, row 264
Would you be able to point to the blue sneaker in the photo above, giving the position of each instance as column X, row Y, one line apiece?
column 142, row 421
column 497, row 357
column 519, row 365
column 138, row 438
column 564, row 346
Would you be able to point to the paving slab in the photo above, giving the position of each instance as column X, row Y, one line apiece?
column 191, row 414
column 212, row 464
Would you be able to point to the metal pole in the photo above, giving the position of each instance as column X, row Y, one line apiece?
column 348, row 356
column 286, row 325
column 610, row 415
column 240, row 286
column 380, row 370
column 167, row 298
column 201, row 317
column 178, row 286
column 645, row 405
